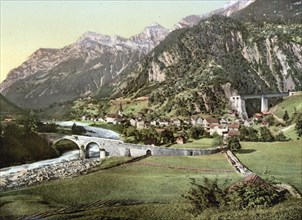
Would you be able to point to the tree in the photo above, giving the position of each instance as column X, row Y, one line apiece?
column 285, row 116
column 248, row 134
column 218, row 140
column 195, row 132
column 250, row 195
column 266, row 135
column 78, row 130
column 167, row 136
column 298, row 126
column 234, row 144
column 270, row 120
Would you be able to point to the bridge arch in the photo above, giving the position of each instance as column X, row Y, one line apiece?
column 88, row 148
column 69, row 139
column 73, row 140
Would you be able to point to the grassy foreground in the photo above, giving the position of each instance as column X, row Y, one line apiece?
column 143, row 191
column 281, row 160
column 148, row 185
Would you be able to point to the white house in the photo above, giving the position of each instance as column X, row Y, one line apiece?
column 219, row 129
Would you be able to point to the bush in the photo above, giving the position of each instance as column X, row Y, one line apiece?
column 244, row 195
column 249, row 196
column 234, row 144
column 204, row 196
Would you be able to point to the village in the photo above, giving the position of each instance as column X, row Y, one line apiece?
column 227, row 126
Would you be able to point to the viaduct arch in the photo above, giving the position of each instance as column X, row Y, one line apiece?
column 238, row 102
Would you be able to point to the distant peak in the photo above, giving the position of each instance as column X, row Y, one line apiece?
column 155, row 25
column 91, row 34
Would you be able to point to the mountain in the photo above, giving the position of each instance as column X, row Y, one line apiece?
column 272, row 11
column 196, row 69
column 94, row 60
column 229, row 9
column 8, row 108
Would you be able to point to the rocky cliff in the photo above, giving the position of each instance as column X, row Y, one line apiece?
column 59, row 75
column 195, row 69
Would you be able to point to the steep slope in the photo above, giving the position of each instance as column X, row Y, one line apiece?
column 59, row 75
column 8, row 108
column 195, row 69
column 276, row 11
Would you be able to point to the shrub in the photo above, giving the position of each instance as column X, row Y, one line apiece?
column 234, row 144
column 204, row 196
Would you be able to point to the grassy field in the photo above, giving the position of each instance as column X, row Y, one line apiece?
column 132, row 107
column 291, row 133
column 112, row 127
column 282, row 160
column 291, row 104
column 191, row 143
column 156, row 190
column 147, row 184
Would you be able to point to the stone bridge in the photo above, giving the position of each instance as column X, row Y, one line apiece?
column 238, row 102
column 109, row 147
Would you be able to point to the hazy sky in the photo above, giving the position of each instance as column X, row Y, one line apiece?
column 29, row 25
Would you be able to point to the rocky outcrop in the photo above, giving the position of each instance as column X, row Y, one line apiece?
column 216, row 58
column 35, row 176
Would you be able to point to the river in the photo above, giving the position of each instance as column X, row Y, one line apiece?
column 67, row 156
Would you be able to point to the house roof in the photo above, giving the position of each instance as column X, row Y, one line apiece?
column 211, row 120
column 180, row 137
column 233, row 133
column 159, row 130
column 234, row 125
column 217, row 125
column 113, row 116
column 251, row 179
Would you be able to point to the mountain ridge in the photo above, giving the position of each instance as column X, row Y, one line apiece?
column 213, row 60
column 95, row 63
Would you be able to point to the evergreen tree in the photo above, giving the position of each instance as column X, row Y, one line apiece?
column 285, row 116
column 234, row 144
column 298, row 126
column 266, row 135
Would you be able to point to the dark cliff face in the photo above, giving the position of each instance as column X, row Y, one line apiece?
column 217, row 58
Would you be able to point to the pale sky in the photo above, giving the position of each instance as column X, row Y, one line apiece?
column 29, row 25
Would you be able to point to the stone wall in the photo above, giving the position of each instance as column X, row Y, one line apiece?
column 118, row 148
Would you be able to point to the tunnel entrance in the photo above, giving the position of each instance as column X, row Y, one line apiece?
column 148, row 153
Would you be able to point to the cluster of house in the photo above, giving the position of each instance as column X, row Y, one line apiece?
column 223, row 127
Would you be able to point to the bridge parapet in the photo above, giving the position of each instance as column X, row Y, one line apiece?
column 119, row 148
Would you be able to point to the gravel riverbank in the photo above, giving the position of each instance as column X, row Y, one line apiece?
column 30, row 177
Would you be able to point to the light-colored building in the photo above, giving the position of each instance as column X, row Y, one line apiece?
column 219, row 129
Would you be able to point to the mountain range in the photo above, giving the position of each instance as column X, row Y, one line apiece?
column 204, row 58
